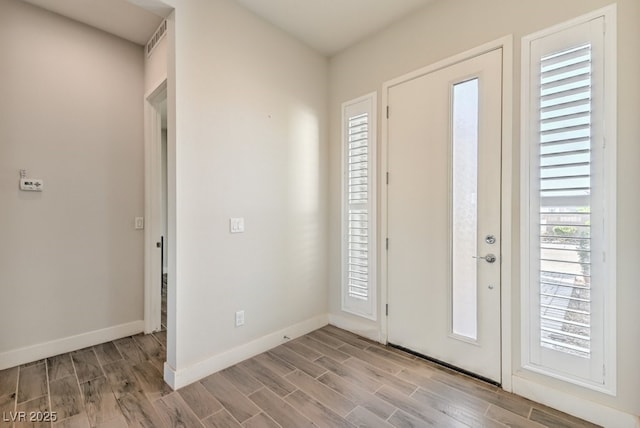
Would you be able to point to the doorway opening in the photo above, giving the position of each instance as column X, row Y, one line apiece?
column 156, row 212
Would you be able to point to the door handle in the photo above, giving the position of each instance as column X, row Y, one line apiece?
column 489, row 258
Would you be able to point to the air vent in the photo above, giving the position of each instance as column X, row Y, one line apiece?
column 157, row 36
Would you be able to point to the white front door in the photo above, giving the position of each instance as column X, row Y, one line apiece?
column 443, row 260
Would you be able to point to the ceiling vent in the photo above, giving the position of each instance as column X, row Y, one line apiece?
column 157, row 36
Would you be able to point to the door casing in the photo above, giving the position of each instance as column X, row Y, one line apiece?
column 506, row 43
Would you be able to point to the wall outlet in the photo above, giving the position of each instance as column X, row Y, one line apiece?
column 236, row 225
column 239, row 318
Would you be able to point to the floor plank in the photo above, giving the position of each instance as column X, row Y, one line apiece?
column 122, row 379
column 305, row 351
column 87, row 365
column 275, row 364
column 261, row 420
column 60, row 366
column 107, row 353
column 222, row 419
column 510, row 419
column 40, row 404
column 415, row 408
column 151, row 380
column 242, row 380
column 130, row 350
column 9, row 381
column 372, row 359
column 327, row 396
column 7, row 405
column 32, row 382
column 138, row 411
column 357, row 395
column 351, row 375
column 200, row 400
column 66, row 400
column 323, row 349
column 99, row 401
column 268, row 377
column 315, row 411
column 297, row 361
column 175, row 412
column 280, row 411
column 78, row 421
column 233, row 400
column 346, row 337
column 361, row 417
column 381, row 376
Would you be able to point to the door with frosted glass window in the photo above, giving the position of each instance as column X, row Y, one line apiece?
column 444, row 151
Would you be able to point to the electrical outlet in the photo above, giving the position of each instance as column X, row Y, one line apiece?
column 239, row 318
column 236, row 225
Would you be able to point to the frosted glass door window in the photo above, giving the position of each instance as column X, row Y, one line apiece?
column 465, row 209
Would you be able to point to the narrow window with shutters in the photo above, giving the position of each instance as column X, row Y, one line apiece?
column 568, row 269
column 358, row 208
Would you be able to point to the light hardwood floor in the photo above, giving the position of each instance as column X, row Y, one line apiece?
column 328, row 378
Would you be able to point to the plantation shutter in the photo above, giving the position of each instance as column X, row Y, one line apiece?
column 565, row 200
column 566, row 271
column 358, row 207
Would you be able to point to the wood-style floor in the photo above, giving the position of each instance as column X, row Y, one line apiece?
column 328, row 378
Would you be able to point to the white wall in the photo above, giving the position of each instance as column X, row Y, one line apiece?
column 249, row 141
column 70, row 113
column 448, row 27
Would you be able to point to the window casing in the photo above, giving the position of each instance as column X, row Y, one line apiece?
column 359, row 206
column 568, row 201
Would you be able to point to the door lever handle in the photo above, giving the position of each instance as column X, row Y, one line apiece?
column 489, row 258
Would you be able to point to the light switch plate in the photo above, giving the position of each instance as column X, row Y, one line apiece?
column 31, row 184
column 236, row 224
column 139, row 223
column 239, row 318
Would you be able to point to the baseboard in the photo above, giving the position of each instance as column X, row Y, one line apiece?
column 368, row 329
column 185, row 376
column 576, row 406
column 72, row 343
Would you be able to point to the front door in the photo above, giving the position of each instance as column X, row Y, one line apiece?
column 444, row 151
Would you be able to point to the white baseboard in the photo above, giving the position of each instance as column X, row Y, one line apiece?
column 576, row 406
column 185, row 376
column 368, row 329
column 67, row 344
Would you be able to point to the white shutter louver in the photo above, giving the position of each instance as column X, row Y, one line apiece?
column 359, row 207
column 565, row 206
column 358, row 212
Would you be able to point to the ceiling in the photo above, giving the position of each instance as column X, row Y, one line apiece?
column 328, row 26
column 119, row 17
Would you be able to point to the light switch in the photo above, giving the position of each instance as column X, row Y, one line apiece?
column 236, row 224
column 139, row 223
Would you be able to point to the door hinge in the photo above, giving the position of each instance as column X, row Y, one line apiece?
column 386, row 309
column 387, row 178
column 387, row 243
column 387, row 112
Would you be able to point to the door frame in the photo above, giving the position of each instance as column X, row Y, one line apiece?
column 153, row 207
column 506, row 221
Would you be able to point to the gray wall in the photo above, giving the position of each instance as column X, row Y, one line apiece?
column 71, row 114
